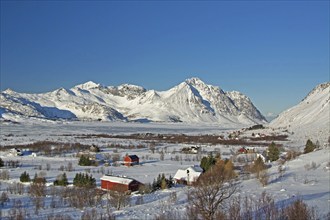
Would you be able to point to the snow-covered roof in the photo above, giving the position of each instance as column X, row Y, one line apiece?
column 194, row 173
column 117, row 179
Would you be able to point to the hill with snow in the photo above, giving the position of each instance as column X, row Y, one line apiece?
column 310, row 119
column 190, row 101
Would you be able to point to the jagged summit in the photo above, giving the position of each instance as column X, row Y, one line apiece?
column 190, row 101
column 194, row 81
column 319, row 88
column 88, row 85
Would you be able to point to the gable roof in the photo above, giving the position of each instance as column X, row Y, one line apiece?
column 117, row 179
column 133, row 157
column 194, row 173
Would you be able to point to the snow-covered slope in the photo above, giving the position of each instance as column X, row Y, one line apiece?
column 311, row 117
column 190, row 101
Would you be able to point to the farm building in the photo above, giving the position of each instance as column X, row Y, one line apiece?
column 130, row 160
column 189, row 175
column 16, row 152
column 121, row 184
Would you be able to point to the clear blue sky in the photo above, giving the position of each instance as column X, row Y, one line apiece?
column 273, row 51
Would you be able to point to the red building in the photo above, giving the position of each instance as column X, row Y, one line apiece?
column 121, row 184
column 131, row 160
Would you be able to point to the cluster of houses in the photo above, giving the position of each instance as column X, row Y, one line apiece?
column 191, row 150
column 125, row 184
column 253, row 152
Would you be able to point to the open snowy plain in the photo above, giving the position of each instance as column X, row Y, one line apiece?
column 306, row 177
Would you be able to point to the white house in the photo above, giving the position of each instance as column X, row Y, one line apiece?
column 189, row 175
column 16, row 152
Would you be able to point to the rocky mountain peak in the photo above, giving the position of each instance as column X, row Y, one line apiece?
column 88, row 85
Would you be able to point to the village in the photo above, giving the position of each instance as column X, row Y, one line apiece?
column 191, row 155
column 122, row 171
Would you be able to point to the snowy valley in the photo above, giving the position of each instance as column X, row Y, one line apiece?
column 52, row 147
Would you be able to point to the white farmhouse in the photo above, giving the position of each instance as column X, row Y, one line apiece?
column 189, row 175
column 16, row 152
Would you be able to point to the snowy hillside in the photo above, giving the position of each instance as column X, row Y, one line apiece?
column 190, row 101
column 311, row 117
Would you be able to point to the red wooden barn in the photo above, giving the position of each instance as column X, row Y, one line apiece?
column 121, row 184
column 130, row 160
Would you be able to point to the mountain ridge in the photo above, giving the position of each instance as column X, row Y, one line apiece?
column 311, row 117
column 190, row 101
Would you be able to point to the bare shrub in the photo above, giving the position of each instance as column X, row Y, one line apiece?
column 37, row 191
column 61, row 168
column 139, row 200
column 119, row 199
column 4, row 175
column 15, row 188
column 48, row 166
column 299, row 210
column 69, row 167
column 17, row 212
column 92, row 214
column 265, row 207
column 264, row 178
column 234, row 210
column 59, row 217
column 115, row 158
column 311, row 166
column 169, row 214
column 292, row 154
column 4, row 198
column 212, row 189
column 78, row 198
column 145, row 188
column 173, row 197
column 281, row 170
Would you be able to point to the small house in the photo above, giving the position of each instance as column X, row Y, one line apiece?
column 94, row 148
column 130, row 160
column 16, row 152
column 242, row 150
column 188, row 176
column 120, row 184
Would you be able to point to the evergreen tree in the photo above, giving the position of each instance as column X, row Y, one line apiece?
column 61, row 180
column 207, row 162
column 161, row 182
column 1, row 162
column 85, row 161
column 309, row 147
column 273, row 152
column 25, row 177
column 84, row 180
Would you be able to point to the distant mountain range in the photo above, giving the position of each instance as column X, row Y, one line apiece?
column 190, row 101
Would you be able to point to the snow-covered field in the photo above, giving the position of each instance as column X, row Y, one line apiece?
column 306, row 177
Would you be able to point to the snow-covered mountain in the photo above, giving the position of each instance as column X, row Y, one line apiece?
column 190, row 101
column 311, row 117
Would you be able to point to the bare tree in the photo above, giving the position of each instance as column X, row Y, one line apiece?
column 299, row 210
column 4, row 198
column 118, row 198
column 212, row 189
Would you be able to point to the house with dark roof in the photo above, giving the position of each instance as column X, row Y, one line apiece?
column 130, row 160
